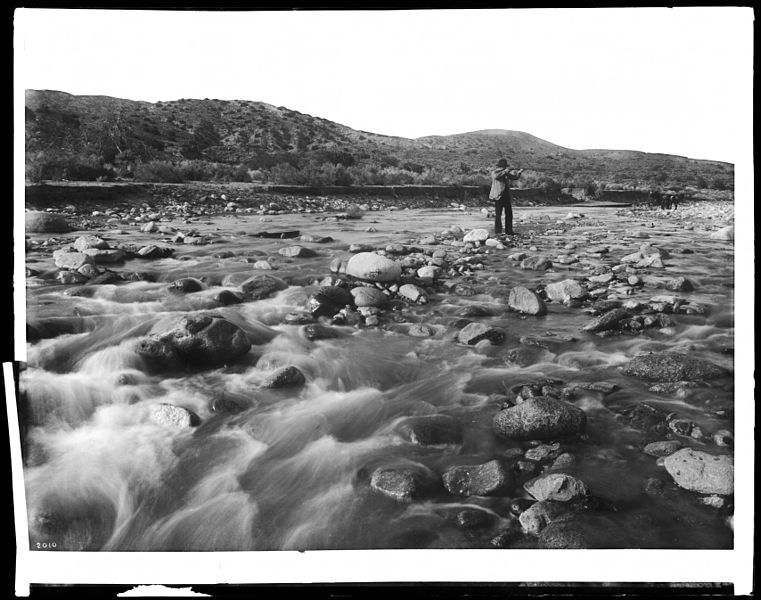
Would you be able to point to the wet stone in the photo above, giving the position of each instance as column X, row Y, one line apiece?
column 421, row 330
column 174, row 416
column 286, row 377
column 473, row 333
column 672, row 366
column 645, row 417
column 207, row 339
column 186, row 285
column 261, row 286
column 400, row 484
column 473, row 518
column 476, row 480
column 539, row 418
column 663, row 448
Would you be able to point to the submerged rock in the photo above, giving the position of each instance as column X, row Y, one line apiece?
column 315, row 332
column 672, row 366
column 431, row 430
column 476, row 480
column 701, row 472
column 539, row 418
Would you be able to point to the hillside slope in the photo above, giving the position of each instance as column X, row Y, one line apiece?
column 254, row 139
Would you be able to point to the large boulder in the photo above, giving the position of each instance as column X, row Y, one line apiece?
column 373, row 267
column 565, row 291
column 558, row 487
column 701, row 472
column 203, row 338
column 525, row 301
column 368, row 296
column 43, row 222
column 672, row 366
column 473, row 333
column 476, row 480
column 539, row 418
column 65, row 259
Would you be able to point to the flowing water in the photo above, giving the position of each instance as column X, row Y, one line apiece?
column 271, row 469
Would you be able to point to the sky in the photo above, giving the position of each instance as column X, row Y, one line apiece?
column 677, row 81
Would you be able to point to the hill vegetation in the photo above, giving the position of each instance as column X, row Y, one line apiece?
column 103, row 138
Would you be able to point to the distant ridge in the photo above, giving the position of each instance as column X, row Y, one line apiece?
column 255, row 135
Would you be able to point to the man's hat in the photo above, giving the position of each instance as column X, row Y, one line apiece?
column 502, row 162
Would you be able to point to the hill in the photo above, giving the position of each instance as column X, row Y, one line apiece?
column 91, row 137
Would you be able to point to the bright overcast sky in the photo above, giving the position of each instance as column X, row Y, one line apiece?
column 677, row 81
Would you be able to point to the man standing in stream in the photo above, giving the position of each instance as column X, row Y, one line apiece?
column 500, row 193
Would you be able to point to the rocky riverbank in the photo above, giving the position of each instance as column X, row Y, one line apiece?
column 585, row 329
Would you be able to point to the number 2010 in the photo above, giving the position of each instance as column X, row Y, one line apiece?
column 45, row 545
